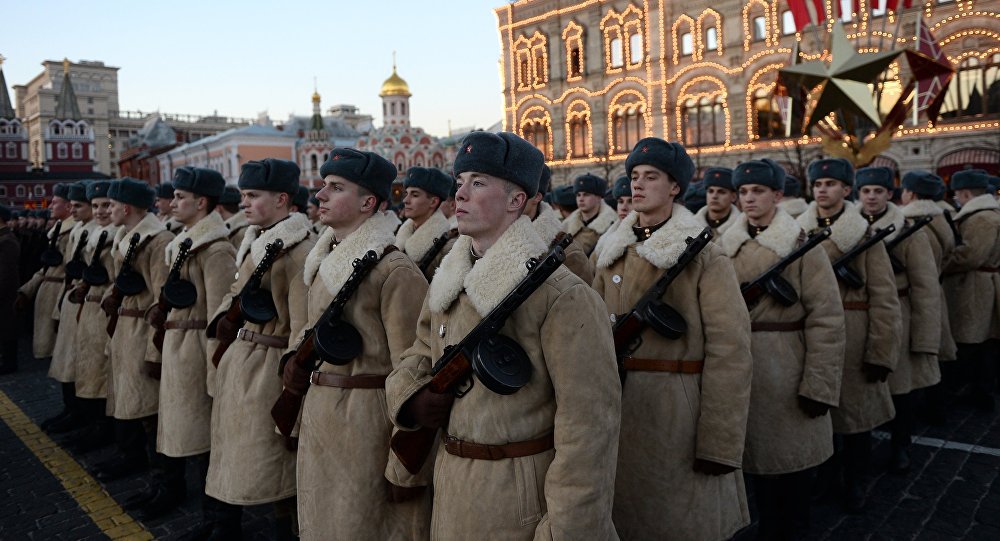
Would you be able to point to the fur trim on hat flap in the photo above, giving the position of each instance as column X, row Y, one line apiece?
column 846, row 232
column 734, row 213
column 291, row 231
column 236, row 222
column 662, row 249
column 980, row 202
column 547, row 223
column 921, row 207
column 781, row 237
column 488, row 280
column 335, row 266
column 209, row 229
column 893, row 215
column 149, row 226
column 417, row 242
column 606, row 217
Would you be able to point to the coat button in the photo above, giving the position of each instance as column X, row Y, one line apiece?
column 441, row 331
column 613, row 318
column 616, row 279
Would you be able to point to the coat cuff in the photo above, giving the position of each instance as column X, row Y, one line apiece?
column 399, row 392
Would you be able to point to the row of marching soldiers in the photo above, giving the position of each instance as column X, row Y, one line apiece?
column 476, row 370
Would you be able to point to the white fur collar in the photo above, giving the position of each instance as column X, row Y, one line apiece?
column 794, row 206
column 662, row 249
column 980, row 202
column 209, row 229
column 893, row 215
column 734, row 213
column 453, row 222
column 148, row 226
column 921, row 207
column 781, row 237
column 95, row 236
column 488, row 280
column 416, row 242
column 77, row 231
column 846, row 232
column 236, row 222
column 606, row 217
column 945, row 206
column 64, row 229
column 547, row 223
column 603, row 239
column 335, row 266
column 291, row 231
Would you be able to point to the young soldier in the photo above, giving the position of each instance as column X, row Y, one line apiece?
column 547, row 225
column 312, row 211
column 425, row 223
column 10, row 251
column 229, row 210
column 133, row 392
column 798, row 354
column 971, row 281
column 46, row 285
column 792, row 202
column 63, row 366
column 919, row 304
column 622, row 193
column 91, row 338
column 564, row 201
column 720, row 211
column 165, row 196
column 695, row 197
column 871, row 321
column 448, row 206
column 685, row 401
column 343, row 450
column 185, row 412
column 593, row 216
column 249, row 463
column 557, row 434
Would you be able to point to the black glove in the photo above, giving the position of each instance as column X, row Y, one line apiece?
column 427, row 409
column 110, row 305
column 156, row 316
column 812, row 408
column 296, row 378
column 226, row 330
column 708, row 467
column 875, row 373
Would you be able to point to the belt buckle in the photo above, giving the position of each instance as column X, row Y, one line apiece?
column 453, row 444
column 314, row 377
column 242, row 334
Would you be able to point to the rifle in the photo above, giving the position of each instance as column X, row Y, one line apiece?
column 435, row 249
column 842, row 265
column 175, row 293
column 252, row 304
column 954, row 228
column 127, row 282
column 652, row 311
column 74, row 268
column 51, row 256
column 90, row 276
column 331, row 340
column 497, row 361
column 771, row 282
column 897, row 265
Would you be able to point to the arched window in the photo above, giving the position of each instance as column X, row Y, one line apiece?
column 532, row 61
column 635, row 52
column 623, row 38
column 579, row 130
column 702, row 115
column 687, row 44
column 708, row 31
column 536, row 128
column 21, row 191
column 12, row 150
column 617, row 57
column 523, row 71
column 402, row 108
column 711, row 39
column 767, row 115
column 757, row 21
column 61, row 151
column 39, row 190
column 627, row 122
column 392, row 107
column 77, row 151
column 975, row 89
column 759, row 24
column 313, row 163
column 682, row 32
column 572, row 37
column 788, row 22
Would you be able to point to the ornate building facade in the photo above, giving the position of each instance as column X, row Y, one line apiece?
column 584, row 80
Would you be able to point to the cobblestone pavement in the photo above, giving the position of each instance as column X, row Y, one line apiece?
column 952, row 491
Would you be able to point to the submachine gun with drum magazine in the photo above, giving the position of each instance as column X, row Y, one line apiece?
column 331, row 340
column 897, row 265
column 93, row 275
column 127, row 283
column 175, row 293
column 74, row 267
column 842, row 266
column 497, row 361
column 651, row 311
column 770, row 281
column 253, row 304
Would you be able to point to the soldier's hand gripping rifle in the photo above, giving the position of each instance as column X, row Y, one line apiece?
column 253, row 304
column 842, row 265
column 175, row 293
column 75, row 266
column 897, row 265
column 127, row 283
column 498, row 362
column 331, row 340
column 651, row 311
column 435, row 249
column 51, row 256
column 93, row 275
column 770, row 281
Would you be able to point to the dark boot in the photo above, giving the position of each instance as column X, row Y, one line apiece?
column 138, row 501
column 132, row 458
column 8, row 354
column 168, row 476
column 857, row 451
column 69, row 417
column 220, row 522
column 901, row 428
column 285, row 523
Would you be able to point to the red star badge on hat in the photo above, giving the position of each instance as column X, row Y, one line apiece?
column 826, row 166
column 336, row 157
column 645, row 149
column 468, row 149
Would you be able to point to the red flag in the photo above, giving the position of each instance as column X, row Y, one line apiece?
column 806, row 12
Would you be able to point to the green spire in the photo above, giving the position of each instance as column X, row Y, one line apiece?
column 66, row 106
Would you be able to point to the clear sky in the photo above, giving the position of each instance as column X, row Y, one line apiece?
column 244, row 57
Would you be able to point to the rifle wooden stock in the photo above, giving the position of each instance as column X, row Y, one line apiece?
column 160, row 331
column 286, row 409
column 907, row 232
column 627, row 331
column 234, row 316
column 116, row 298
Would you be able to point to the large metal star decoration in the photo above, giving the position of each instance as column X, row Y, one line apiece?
column 843, row 84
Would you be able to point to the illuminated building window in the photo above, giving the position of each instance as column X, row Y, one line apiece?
column 702, row 113
column 616, row 53
column 756, row 23
column 767, row 116
column 687, row 44
column 682, row 33
column 623, row 41
column 536, row 128
column 579, row 130
column 532, row 61
column 627, row 122
column 759, row 28
column 787, row 23
column 708, row 32
column 573, row 41
column 635, row 48
column 975, row 89
column 711, row 40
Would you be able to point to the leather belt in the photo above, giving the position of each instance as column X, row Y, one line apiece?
column 482, row 451
column 633, row 364
column 988, row 269
column 131, row 312
column 905, row 292
column 93, row 298
column 777, row 326
column 59, row 279
column 262, row 339
column 856, row 305
column 197, row 324
column 363, row 381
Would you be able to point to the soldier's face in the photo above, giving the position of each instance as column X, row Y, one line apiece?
column 719, row 199
column 907, row 196
column 342, row 204
column 588, row 203
column 963, row 196
column 652, row 189
column 262, row 207
column 483, row 202
column 119, row 211
column 418, row 204
column 187, row 206
column 448, row 208
column 102, row 210
column 758, row 202
column 874, row 199
column 60, row 208
column 829, row 192
column 82, row 212
column 312, row 211
column 163, row 206
column 624, row 206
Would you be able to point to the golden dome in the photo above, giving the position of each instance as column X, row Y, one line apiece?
column 315, row 97
column 395, row 86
